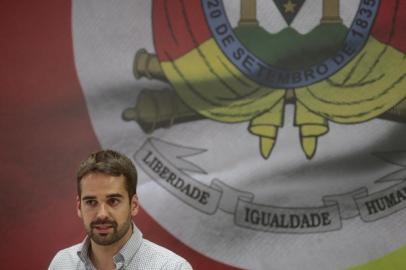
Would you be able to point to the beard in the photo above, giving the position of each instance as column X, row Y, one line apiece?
column 108, row 238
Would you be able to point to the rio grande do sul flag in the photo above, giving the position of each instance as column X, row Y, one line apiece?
column 268, row 134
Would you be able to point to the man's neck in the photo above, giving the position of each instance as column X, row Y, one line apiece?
column 102, row 256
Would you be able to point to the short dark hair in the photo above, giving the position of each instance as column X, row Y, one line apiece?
column 111, row 163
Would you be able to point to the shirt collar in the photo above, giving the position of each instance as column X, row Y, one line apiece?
column 125, row 254
column 83, row 251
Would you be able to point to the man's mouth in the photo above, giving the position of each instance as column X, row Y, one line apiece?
column 103, row 228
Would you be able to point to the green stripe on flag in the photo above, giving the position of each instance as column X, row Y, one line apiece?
column 393, row 261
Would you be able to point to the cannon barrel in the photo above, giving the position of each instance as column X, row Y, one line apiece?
column 147, row 65
column 159, row 109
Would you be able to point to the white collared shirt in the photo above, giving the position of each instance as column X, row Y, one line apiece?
column 137, row 253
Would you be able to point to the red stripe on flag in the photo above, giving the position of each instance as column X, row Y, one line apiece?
column 179, row 26
column 390, row 23
column 45, row 132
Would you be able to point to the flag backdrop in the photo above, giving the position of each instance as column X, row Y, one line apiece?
column 268, row 134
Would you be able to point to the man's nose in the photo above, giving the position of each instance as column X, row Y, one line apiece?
column 102, row 211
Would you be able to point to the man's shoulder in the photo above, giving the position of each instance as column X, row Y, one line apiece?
column 66, row 258
column 158, row 250
column 153, row 253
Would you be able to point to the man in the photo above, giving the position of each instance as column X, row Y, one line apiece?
column 106, row 203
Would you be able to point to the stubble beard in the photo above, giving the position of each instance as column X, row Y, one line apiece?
column 108, row 238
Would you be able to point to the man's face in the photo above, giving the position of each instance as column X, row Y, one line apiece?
column 105, row 208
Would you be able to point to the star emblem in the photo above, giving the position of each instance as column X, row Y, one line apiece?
column 289, row 7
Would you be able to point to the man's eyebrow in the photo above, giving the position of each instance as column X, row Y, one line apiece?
column 115, row 195
column 88, row 198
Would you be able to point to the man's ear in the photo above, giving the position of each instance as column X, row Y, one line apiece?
column 78, row 206
column 134, row 205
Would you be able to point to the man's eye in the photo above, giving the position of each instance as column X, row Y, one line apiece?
column 91, row 202
column 113, row 201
